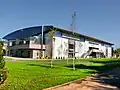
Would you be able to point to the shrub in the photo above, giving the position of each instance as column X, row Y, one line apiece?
column 3, row 72
column 2, row 61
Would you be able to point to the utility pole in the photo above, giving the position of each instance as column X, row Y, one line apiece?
column 73, row 27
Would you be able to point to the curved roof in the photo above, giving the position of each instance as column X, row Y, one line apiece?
column 26, row 32
column 31, row 31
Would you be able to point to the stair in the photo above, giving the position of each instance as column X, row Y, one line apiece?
column 87, row 53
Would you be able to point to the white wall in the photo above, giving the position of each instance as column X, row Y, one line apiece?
column 35, row 54
column 60, row 47
column 86, row 46
column 79, row 48
column 109, row 52
column 57, row 47
column 103, row 48
column 65, row 47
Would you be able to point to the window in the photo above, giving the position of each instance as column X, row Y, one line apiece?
column 93, row 43
column 71, row 46
column 82, row 39
column 27, row 42
column 58, row 34
column 106, row 51
column 13, row 43
column 37, row 54
column 102, row 44
column 21, row 42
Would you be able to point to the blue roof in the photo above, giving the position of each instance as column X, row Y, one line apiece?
column 26, row 32
column 32, row 31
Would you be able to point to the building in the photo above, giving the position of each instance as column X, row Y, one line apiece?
column 36, row 42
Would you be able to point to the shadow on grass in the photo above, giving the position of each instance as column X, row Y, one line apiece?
column 100, row 68
column 40, row 65
column 104, row 76
column 82, row 66
column 105, row 61
column 109, row 79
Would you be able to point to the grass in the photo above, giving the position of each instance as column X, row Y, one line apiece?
column 36, row 75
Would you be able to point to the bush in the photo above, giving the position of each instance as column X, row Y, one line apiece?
column 3, row 75
column 2, row 61
column 3, row 72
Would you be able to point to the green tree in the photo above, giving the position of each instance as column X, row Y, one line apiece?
column 2, row 61
column 117, row 52
column 6, row 50
column 3, row 71
column 51, row 34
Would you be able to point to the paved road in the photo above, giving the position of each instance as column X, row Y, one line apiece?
column 107, row 81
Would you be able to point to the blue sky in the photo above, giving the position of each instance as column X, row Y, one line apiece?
column 97, row 18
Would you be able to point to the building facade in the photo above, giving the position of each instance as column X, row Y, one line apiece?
column 36, row 42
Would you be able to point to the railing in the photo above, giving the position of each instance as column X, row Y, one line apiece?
column 36, row 46
column 27, row 46
column 87, row 53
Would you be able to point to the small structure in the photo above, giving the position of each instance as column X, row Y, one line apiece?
column 31, row 42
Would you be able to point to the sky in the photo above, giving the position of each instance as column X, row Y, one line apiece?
column 97, row 18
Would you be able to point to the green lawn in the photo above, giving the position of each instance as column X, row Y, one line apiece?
column 36, row 75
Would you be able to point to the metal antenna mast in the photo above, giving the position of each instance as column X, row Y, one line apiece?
column 73, row 27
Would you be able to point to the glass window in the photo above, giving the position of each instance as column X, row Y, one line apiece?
column 82, row 39
column 27, row 42
column 13, row 43
column 94, row 43
column 102, row 44
column 71, row 46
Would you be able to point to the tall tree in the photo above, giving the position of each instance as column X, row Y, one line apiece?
column 3, row 72
column 51, row 34
column 2, row 61
column 117, row 52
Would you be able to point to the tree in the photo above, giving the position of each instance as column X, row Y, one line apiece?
column 51, row 34
column 3, row 72
column 117, row 52
column 6, row 51
column 2, row 61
